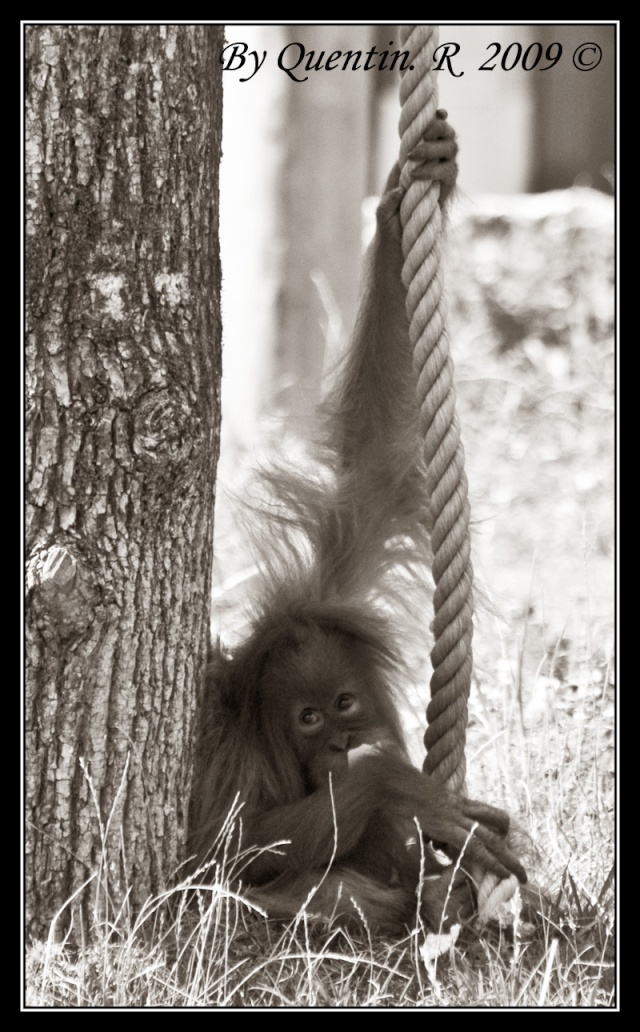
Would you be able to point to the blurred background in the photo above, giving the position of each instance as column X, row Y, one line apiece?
column 301, row 158
column 530, row 286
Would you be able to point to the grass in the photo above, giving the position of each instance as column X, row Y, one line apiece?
column 202, row 945
column 532, row 322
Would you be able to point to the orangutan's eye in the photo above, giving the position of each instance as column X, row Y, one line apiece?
column 345, row 702
column 310, row 718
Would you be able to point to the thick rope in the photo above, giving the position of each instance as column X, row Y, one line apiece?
column 421, row 219
column 494, row 896
column 451, row 655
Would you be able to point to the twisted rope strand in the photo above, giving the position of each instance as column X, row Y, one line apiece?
column 451, row 655
column 421, row 219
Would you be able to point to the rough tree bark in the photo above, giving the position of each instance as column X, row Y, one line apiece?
column 123, row 131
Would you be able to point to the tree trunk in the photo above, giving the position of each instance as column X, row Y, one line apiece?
column 329, row 117
column 574, row 141
column 123, row 127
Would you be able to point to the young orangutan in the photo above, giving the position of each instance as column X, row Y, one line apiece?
column 301, row 723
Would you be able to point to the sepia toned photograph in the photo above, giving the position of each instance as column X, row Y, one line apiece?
column 319, row 516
